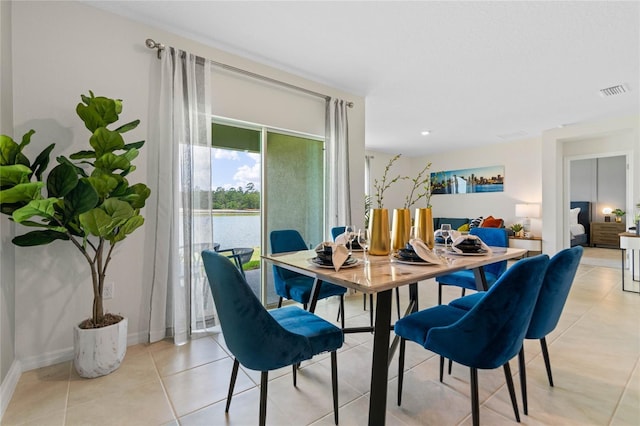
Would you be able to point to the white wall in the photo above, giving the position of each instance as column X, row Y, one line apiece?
column 603, row 181
column 522, row 162
column 64, row 49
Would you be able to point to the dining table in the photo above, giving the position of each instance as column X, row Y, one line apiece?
column 380, row 275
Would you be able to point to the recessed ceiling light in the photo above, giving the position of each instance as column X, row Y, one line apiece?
column 425, row 132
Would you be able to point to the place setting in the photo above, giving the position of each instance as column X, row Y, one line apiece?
column 416, row 252
column 468, row 245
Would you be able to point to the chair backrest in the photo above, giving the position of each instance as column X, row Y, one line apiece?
column 493, row 237
column 282, row 241
column 553, row 294
column 491, row 333
column 337, row 230
column 252, row 335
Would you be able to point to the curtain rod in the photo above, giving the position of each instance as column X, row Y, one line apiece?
column 152, row 44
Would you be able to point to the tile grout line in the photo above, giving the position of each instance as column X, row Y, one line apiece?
column 624, row 391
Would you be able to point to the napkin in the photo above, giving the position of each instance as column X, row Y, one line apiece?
column 341, row 239
column 423, row 251
column 469, row 237
column 339, row 253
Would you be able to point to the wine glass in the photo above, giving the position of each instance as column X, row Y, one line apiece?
column 363, row 240
column 445, row 230
column 351, row 234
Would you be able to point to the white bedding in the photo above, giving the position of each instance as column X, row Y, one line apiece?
column 576, row 229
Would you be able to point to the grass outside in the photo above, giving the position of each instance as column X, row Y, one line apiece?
column 254, row 263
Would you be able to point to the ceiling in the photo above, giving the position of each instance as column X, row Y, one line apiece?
column 472, row 73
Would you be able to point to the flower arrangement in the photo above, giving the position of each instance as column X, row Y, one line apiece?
column 382, row 186
column 418, row 181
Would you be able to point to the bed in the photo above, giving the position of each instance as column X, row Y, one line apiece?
column 579, row 219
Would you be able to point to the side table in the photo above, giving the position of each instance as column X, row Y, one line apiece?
column 529, row 244
column 630, row 241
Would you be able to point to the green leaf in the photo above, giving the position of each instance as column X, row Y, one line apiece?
column 129, row 126
column 113, row 162
column 137, row 195
column 128, row 227
column 98, row 111
column 104, row 141
column 26, row 139
column 82, row 198
column 8, row 150
column 79, row 170
column 37, row 238
column 136, row 145
column 97, row 222
column 61, row 180
column 23, row 192
column 13, row 175
column 131, row 154
column 42, row 161
column 82, row 154
column 103, row 184
column 119, row 210
column 39, row 208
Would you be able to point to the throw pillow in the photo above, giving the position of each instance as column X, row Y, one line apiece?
column 491, row 222
column 464, row 228
column 475, row 223
column 573, row 216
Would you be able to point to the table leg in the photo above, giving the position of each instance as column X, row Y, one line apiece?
column 481, row 279
column 379, row 367
column 623, row 251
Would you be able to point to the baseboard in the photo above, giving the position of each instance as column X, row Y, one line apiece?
column 8, row 386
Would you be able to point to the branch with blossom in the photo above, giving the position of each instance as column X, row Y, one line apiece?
column 419, row 181
column 382, row 186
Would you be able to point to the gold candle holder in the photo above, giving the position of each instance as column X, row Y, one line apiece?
column 401, row 229
column 424, row 226
column 379, row 232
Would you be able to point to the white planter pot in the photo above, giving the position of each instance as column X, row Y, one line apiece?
column 99, row 351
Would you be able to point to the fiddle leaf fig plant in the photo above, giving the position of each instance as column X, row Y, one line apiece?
column 88, row 200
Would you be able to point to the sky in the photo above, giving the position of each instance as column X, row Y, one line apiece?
column 230, row 169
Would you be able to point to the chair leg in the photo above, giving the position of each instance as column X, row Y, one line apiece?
column 334, row 384
column 403, row 343
column 512, row 391
column 295, row 374
column 304, row 306
column 475, row 401
column 441, row 368
column 463, row 291
column 280, row 302
column 339, row 312
column 364, row 302
column 523, row 381
column 264, row 378
column 232, row 383
column 439, row 294
column 398, row 302
column 547, row 361
column 342, row 311
column 450, row 365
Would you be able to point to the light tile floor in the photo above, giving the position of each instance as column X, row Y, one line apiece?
column 595, row 356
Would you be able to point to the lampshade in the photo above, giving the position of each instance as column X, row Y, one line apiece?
column 527, row 210
column 607, row 210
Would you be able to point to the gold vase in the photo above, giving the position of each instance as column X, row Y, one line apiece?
column 424, row 226
column 379, row 231
column 401, row 228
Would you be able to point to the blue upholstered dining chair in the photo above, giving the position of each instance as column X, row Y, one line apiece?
column 337, row 230
column 292, row 285
column 551, row 300
column 264, row 340
column 485, row 337
column 493, row 237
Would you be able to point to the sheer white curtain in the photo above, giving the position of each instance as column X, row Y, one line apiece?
column 179, row 214
column 337, row 146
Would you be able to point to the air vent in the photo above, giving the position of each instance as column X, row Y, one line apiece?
column 614, row 90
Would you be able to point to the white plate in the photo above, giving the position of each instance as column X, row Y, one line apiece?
column 411, row 262
column 455, row 253
column 349, row 263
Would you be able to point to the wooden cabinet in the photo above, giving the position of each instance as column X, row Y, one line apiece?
column 606, row 234
column 533, row 244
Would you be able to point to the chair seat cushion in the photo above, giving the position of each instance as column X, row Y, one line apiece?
column 323, row 336
column 300, row 289
column 467, row 302
column 415, row 327
column 465, row 279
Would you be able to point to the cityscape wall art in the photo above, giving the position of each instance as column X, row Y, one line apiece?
column 466, row 181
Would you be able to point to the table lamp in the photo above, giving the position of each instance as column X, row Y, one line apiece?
column 527, row 211
column 606, row 212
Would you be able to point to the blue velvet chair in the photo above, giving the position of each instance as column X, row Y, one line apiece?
column 292, row 285
column 485, row 337
column 264, row 340
column 493, row 237
column 551, row 300
column 337, row 230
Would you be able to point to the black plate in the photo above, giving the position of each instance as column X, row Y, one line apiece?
column 406, row 254
column 350, row 261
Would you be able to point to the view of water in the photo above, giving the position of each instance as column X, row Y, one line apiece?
column 496, row 187
column 237, row 230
